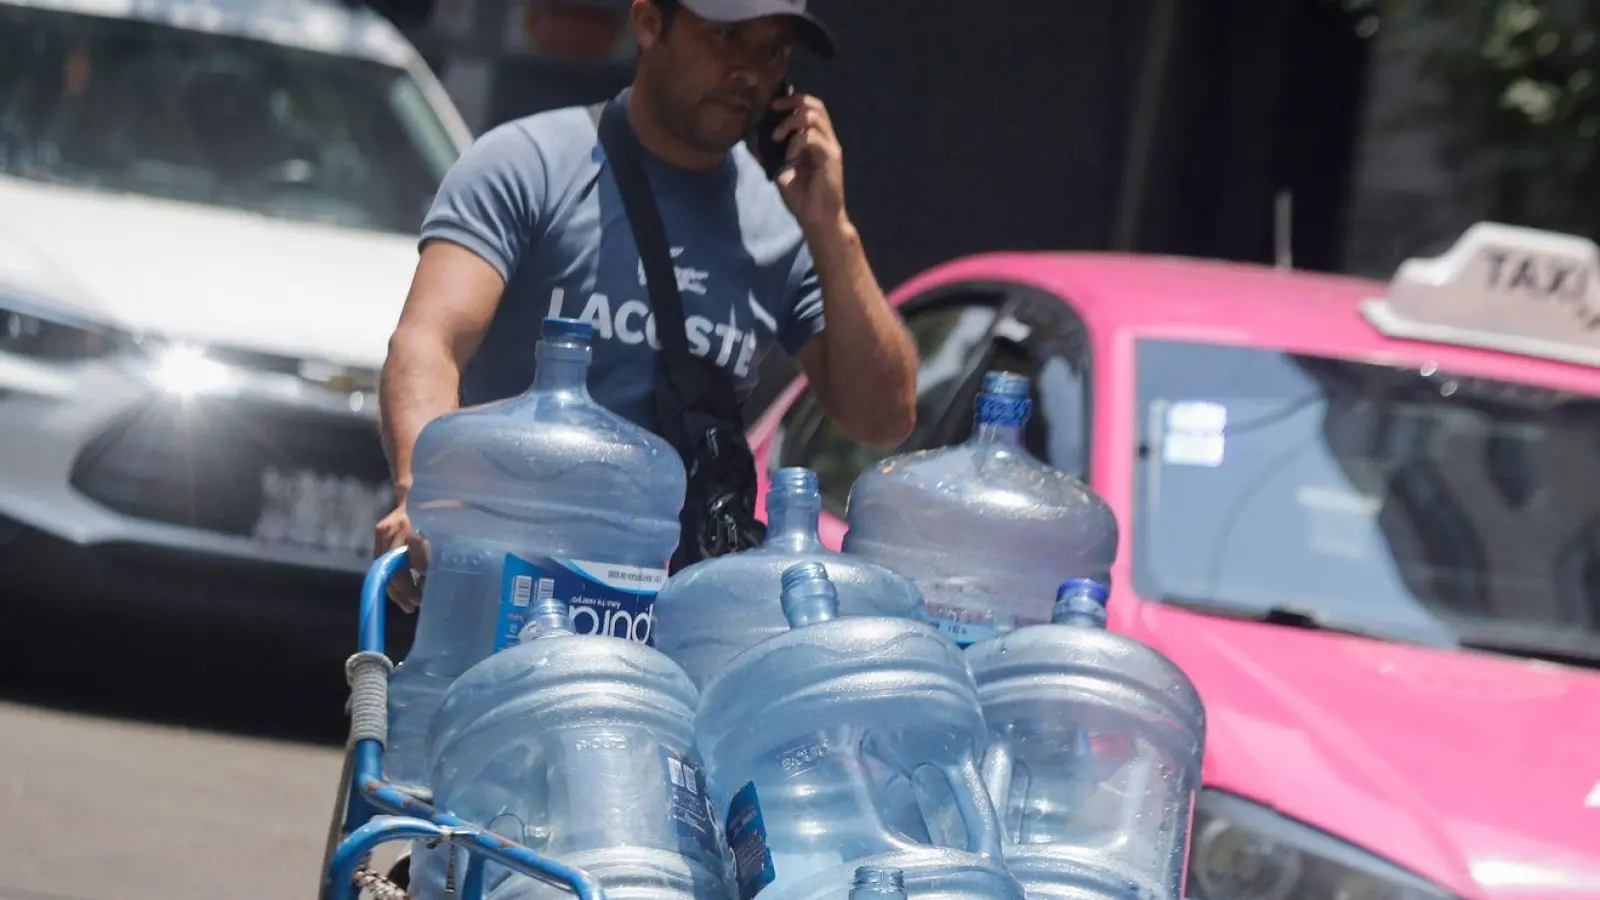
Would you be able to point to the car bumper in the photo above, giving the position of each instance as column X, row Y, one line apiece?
column 215, row 460
column 309, row 611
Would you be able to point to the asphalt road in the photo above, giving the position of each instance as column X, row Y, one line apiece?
column 154, row 761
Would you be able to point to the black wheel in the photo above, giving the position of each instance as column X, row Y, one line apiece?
column 400, row 872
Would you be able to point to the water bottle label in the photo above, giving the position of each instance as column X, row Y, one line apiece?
column 747, row 839
column 605, row 598
column 691, row 807
column 964, row 626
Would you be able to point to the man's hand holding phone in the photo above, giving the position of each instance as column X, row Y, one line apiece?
column 813, row 184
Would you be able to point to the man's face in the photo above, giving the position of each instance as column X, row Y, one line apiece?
column 710, row 83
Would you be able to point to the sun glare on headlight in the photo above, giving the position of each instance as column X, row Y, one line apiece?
column 187, row 371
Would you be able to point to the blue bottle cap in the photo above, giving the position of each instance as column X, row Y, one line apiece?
column 1086, row 587
column 1080, row 602
column 556, row 329
column 1005, row 400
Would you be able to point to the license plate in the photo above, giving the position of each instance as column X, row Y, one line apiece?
column 332, row 513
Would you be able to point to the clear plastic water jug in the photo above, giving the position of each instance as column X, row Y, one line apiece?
column 843, row 740
column 983, row 528
column 710, row 611
column 547, row 494
column 581, row 748
column 1095, row 744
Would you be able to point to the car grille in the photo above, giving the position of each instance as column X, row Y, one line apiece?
column 203, row 463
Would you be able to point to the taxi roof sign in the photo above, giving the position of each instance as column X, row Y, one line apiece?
column 1500, row 287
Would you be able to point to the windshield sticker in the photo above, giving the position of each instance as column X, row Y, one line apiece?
column 1194, row 434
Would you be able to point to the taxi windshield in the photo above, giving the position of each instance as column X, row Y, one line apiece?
column 147, row 108
column 1399, row 502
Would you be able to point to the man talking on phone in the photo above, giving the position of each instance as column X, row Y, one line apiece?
column 528, row 224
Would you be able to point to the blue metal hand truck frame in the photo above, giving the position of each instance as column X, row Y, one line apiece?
column 370, row 812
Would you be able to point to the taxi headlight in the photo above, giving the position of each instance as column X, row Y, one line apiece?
column 37, row 335
column 1243, row 851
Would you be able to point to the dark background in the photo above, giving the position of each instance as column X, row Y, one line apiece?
column 972, row 127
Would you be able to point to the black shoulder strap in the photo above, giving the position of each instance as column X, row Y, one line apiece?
column 649, row 234
column 684, row 382
column 696, row 401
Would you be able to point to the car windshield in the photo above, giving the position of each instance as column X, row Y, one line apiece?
column 147, row 108
column 1401, row 502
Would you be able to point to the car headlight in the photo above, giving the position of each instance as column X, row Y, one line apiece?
column 1244, row 851
column 186, row 371
column 41, row 336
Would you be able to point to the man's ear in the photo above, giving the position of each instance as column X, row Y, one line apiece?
column 647, row 22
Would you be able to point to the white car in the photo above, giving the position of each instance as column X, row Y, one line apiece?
column 208, row 223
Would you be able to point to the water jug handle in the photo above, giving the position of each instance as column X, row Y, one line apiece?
column 997, row 763
column 977, row 812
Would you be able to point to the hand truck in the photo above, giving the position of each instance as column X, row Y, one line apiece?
column 369, row 811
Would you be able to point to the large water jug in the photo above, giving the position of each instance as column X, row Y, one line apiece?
column 843, row 742
column 709, row 612
column 983, row 528
column 1095, row 743
column 581, row 748
column 547, row 494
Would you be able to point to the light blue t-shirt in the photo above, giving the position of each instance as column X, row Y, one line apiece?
column 529, row 197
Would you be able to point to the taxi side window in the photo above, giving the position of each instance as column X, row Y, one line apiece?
column 960, row 335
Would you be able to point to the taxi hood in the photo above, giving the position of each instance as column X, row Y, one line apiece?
column 1467, row 768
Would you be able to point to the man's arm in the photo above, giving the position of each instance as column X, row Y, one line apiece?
column 863, row 366
column 453, row 297
column 472, row 239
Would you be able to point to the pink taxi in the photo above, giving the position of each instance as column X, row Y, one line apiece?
column 1364, row 518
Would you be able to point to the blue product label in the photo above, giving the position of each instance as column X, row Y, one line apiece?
column 747, row 839
column 692, row 816
column 605, row 598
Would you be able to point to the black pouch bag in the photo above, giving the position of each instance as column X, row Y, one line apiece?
column 696, row 402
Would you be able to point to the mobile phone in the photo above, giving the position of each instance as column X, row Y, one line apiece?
column 772, row 153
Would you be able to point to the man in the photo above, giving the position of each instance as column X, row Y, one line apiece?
column 527, row 225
